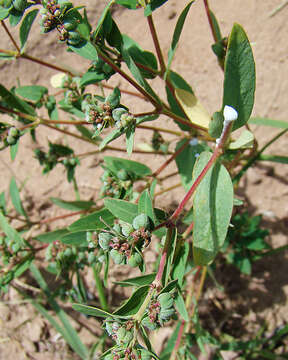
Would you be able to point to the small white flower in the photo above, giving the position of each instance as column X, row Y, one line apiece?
column 99, row 126
column 193, row 142
column 230, row 114
column 197, row 155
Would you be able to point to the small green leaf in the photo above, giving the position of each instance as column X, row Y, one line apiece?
column 212, row 210
column 274, row 158
column 52, row 236
column 87, row 51
column 93, row 221
column 121, row 209
column 75, row 239
column 15, row 102
column 179, row 263
column 239, row 76
column 110, row 137
column 130, row 4
column 26, row 27
column 11, row 233
column 133, row 304
column 130, row 132
column 72, row 205
column 145, row 205
column 180, row 306
column 14, row 150
column 15, row 16
column 169, row 347
column 32, row 92
column 3, row 13
column 137, row 281
column 245, row 141
column 215, row 26
column 134, row 167
column 15, row 198
column 153, row 5
column 176, row 35
column 91, row 77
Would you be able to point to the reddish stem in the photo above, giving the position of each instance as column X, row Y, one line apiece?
column 207, row 8
column 167, row 162
column 156, row 44
column 10, row 36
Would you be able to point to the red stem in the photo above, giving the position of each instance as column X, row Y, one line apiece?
column 10, row 36
column 167, row 162
column 156, row 44
column 207, row 8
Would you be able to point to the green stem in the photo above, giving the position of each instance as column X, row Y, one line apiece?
column 237, row 177
column 100, row 289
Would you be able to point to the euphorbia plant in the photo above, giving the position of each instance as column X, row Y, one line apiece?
column 208, row 157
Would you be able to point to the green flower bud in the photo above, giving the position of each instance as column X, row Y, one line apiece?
column 20, row 5
column 11, row 140
column 117, row 228
column 13, row 132
column 109, row 327
column 142, row 221
column 70, row 25
column 74, row 38
column 121, row 333
column 122, row 175
column 126, row 229
column 166, row 300
column 135, row 260
column 117, row 257
column 165, row 314
column 146, row 322
column 116, row 113
column 104, row 240
column 128, row 337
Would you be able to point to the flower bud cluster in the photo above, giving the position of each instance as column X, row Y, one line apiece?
column 123, row 118
column 125, row 242
column 55, row 15
column 160, row 310
column 121, row 333
column 128, row 354
column 116, row 185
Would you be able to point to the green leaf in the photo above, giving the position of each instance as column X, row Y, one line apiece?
column 134, row 167
column 274, row 158
column 268, row 122
column 11, row 233
column 244, row 141
column 186, row 159
column 15, row 16
column 75, row 239
column 3, row 13
column 212, row 205
column 239, row 76
column 32, row 92
column 52, row 236
column 17, row 270
column 137, row 74
column 93, row 221
column 179, row 263
column 121, row 209
column 137, row 281
column 130, row 4
column 14, row 150
column 170, row 245
column 26, row 27
column 180, row 306
column 130, row 132
column 104, row 14
column 141, row 56
column 215, row 26
column 169, row 347
column 176, row 35
column 153, row 5
column 15, row 198
column 145, row 205
column 133, row 304
column 91, row 77
column 91, row 310
column 15, row 102
column 110, row 137
column 87, row 51
column 72, row 205
column 68, row 332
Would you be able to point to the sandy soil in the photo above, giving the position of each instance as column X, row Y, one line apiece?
column 26, row 335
